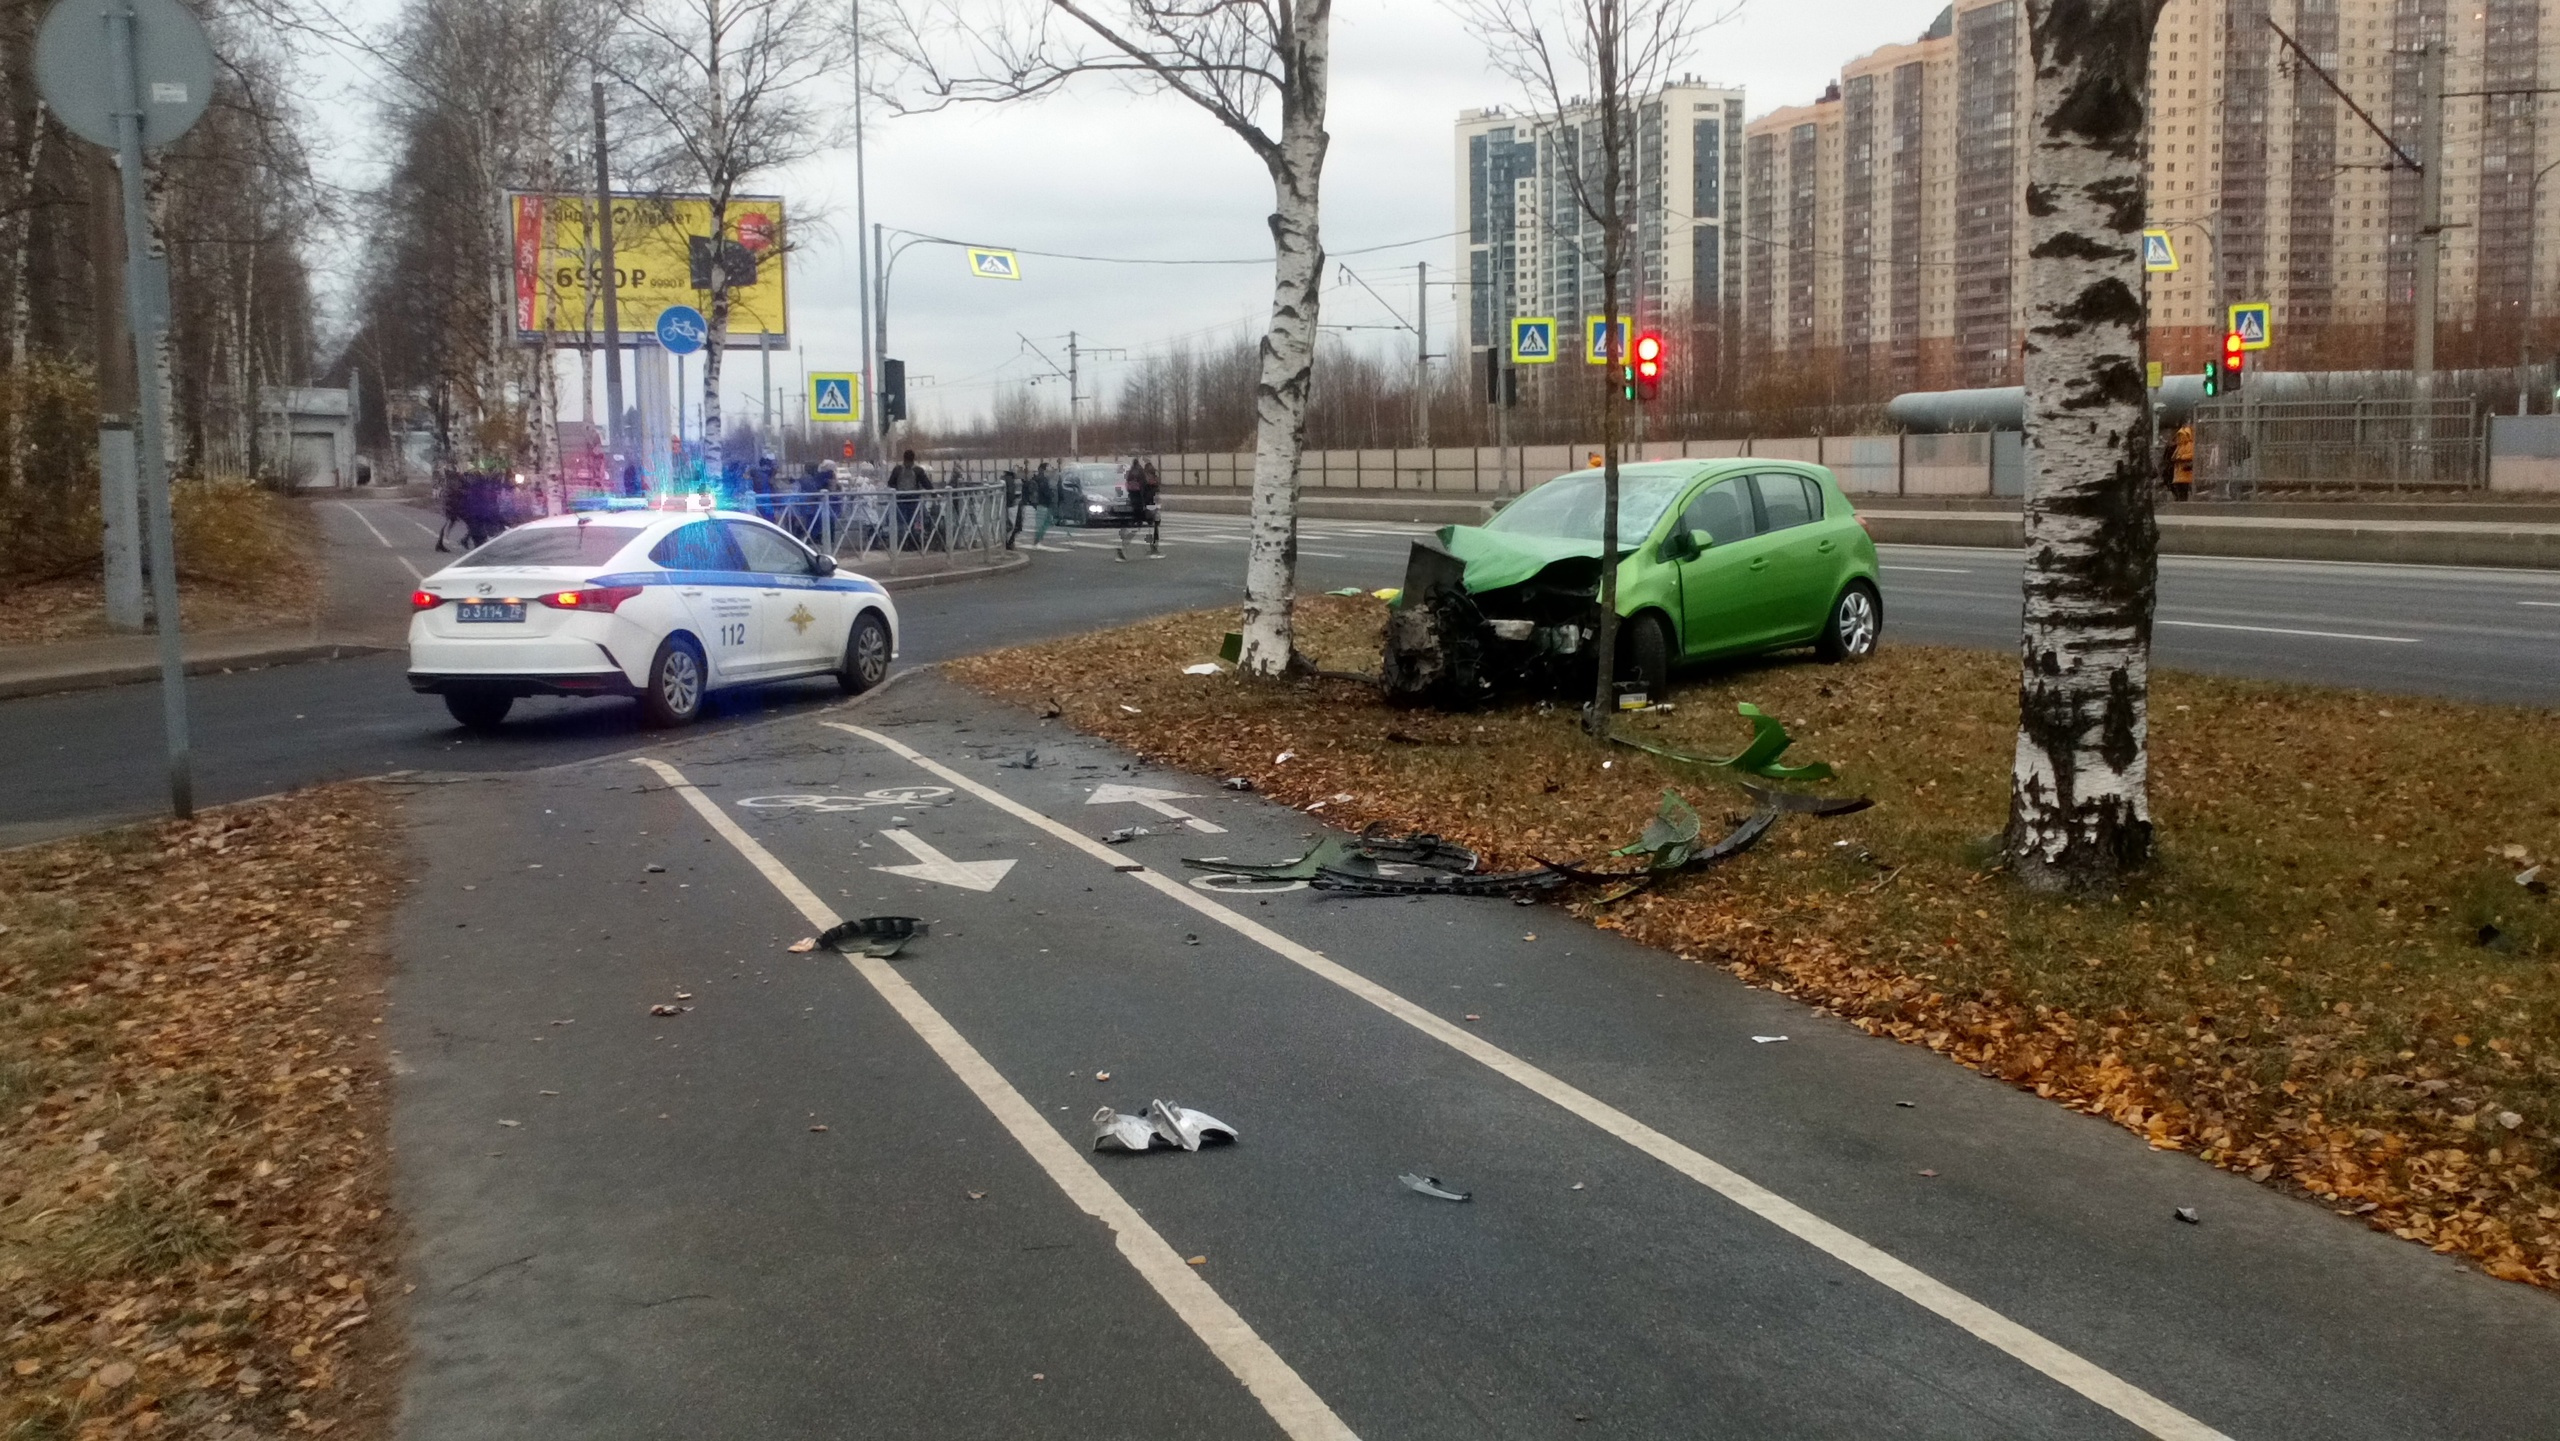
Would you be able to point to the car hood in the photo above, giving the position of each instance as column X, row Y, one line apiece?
column 1495, row 559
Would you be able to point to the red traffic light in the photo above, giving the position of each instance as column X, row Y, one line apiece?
column 2234, row 353
column 1649, row 356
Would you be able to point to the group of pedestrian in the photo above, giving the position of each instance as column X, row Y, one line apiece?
column 1036, row 493
column 476, row 500
column 1145, row 489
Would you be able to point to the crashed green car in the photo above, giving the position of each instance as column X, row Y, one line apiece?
column 1718, row 558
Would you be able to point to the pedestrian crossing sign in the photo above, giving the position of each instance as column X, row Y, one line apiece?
column 1533, row 341
column 1596, row 338
column 2251, row 321
column 835, row 395
column 2158, row 256
column 994, row 264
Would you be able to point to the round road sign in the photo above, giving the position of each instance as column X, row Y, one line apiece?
column 681, row 329
column 174, row 65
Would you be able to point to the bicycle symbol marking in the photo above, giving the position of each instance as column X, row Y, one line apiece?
column 868, row 800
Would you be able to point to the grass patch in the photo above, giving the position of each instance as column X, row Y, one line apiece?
column 194, row 1231
column 2331, row 979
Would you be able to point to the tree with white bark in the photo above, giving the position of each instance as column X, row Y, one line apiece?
column 2079, row 806
column 1237, row 60
column 1589, row 67
column 732, row 86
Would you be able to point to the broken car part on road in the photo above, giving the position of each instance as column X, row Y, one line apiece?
column 879, row 937
column 1175, row 1126
column 1431, row 1186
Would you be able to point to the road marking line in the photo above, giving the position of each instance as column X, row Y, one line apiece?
column 1325, row 554
column 2552, row 604
column 368, row 524
column 414, row 572
column 1928, row 569
column 2281, row 630
column 2086, row 1377
column 1288, row 1399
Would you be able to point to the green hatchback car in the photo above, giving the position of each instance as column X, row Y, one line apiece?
column 1720, row 558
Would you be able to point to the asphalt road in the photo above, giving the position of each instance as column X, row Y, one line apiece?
column 835, row 1198
column 80, row 759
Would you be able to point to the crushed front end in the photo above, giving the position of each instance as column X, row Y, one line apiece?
column 1450, row 647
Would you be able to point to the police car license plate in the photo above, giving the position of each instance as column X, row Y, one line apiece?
column 489, row 610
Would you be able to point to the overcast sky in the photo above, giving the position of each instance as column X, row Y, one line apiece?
column 1097, row 171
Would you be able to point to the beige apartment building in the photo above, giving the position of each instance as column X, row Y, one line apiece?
column 1881, row 236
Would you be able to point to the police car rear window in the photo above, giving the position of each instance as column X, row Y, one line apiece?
column 591, row 544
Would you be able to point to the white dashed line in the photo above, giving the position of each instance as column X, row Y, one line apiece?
column 2283, row 630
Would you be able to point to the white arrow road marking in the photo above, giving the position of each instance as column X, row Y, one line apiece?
column 933, row 865
column 1153, row 800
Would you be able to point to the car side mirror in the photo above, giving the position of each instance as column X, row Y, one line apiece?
column 822, row 564
column 1680, row 545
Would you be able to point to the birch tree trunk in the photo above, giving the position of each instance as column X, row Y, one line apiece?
column 2079, row 804
column 716, row 346
column 21, row 228
column 1289, row 346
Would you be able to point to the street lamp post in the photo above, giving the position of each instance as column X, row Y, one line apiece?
column 2524, row 322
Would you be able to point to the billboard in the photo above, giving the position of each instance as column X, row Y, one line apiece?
column 662, row 255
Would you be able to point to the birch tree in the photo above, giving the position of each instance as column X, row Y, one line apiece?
column 1237, row 60
column 2079, row 804
column 731, row 85
column 1618, row 53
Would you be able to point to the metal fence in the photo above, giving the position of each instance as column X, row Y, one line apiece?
column 2247, row 447
column 857, row 525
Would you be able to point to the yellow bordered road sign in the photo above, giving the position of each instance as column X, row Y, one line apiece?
column 994, row 264
column 835, row 395
column 1595, row 339
column 2254, row 321
column 1533, row 341
column 2158, row 255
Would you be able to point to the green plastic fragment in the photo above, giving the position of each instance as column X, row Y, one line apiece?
column 1231, row 649
column 1769, row 740
column 1330, row 851
column 1669, row 838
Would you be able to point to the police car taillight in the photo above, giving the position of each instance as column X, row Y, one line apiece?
column 594, row 597
column 424, row 600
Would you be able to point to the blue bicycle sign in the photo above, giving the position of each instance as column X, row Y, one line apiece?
column 682, row 330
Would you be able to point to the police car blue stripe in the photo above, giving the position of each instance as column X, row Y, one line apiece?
column 742, row 578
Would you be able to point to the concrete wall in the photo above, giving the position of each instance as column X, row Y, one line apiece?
column 2524, row 453
column 1867, row 465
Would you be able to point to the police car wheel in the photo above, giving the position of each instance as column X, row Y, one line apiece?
column 866, row 654
column 480, row 710
column 676, row 683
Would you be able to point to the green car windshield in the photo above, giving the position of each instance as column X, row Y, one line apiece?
column 1568, row 507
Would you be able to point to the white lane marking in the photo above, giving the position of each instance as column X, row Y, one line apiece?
column 1929, row 569
column 1288, row 1399
column 2552, row 604
column 2086, row 1377
column 2283, row 630
column 368, row 524
column 414, row 572
column 1325, row 554
column 1153, row 800
column 423, row 528
column 933, row 865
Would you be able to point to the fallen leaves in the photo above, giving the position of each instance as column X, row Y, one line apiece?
column 194, row 1198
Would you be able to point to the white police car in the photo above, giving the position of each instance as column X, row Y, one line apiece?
column 663, row 605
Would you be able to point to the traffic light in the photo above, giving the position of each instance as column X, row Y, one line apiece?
column 1648, row 366
column 2213, row 377
column 2235, row 360
column 893, row 390
column 1501, row 382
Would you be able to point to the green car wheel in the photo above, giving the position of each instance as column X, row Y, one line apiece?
column 1857, row 620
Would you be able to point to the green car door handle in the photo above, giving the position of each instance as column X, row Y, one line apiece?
column 1826, row 546
column 1760, row 562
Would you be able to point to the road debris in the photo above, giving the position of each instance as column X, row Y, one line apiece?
column 879, row 937
column 1431, row 1186
column 804, row 945
column 2188, row 1215
column 2531, row 879
column 1124, row 835
column 663, row 1010
column 654, row 870
column 1348, row 592
column 1203, row 668
column 1238, row 783
column 1030, row 760
column 1173, row 1125
column 1769, row 740
column 1765, row 1040
column 1133, row 710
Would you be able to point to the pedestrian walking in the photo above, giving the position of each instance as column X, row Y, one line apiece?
column 1044, row 503
column 1142, row 488
column 907, row 481
column 2182, row 464
column 451, row 494
column 1013, row 503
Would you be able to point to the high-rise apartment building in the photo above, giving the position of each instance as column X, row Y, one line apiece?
column 1883, row 235
column 1528, row 249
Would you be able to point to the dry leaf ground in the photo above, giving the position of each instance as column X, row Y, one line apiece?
column 2331, row 979
column 194, row 1228
column 247, row 558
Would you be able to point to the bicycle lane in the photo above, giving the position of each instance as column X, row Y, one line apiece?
column 1638, row 1298
column 1584, row 1281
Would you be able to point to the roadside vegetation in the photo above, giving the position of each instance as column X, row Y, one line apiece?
column 247, row 558
column 195, row 1236
column 2341, row 974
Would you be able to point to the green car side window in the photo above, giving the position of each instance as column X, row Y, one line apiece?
column 1785, row 502
column 1722, row 512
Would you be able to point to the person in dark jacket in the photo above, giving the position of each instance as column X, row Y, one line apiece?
column 1143, row 488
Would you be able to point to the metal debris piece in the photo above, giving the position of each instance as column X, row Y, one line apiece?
column 1030, row 759
column 878, row 937
column 1368, row 882
column 1430, row 1186
column 1125, row 834
column 1764, row 1040
column 1798, row 803
column 1418, row 848
column 1329, row 851
column 1185, row 1127
column 1113, row 1131
column 1769, row 740
column 1238, row 783
column 663, row 1010
column 2188, row 1215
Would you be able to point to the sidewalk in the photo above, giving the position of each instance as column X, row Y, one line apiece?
column 374, row 551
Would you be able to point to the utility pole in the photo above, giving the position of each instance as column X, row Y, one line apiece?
column 861, row 228
column 879, row 334
column 1422, row 349
column 2422, row 352
column 612, row 293
column 764, row 353
column 1075, row 447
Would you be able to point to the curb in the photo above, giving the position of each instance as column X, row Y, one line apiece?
column 2379, row 543
column 133, row 673
column 946, row 577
